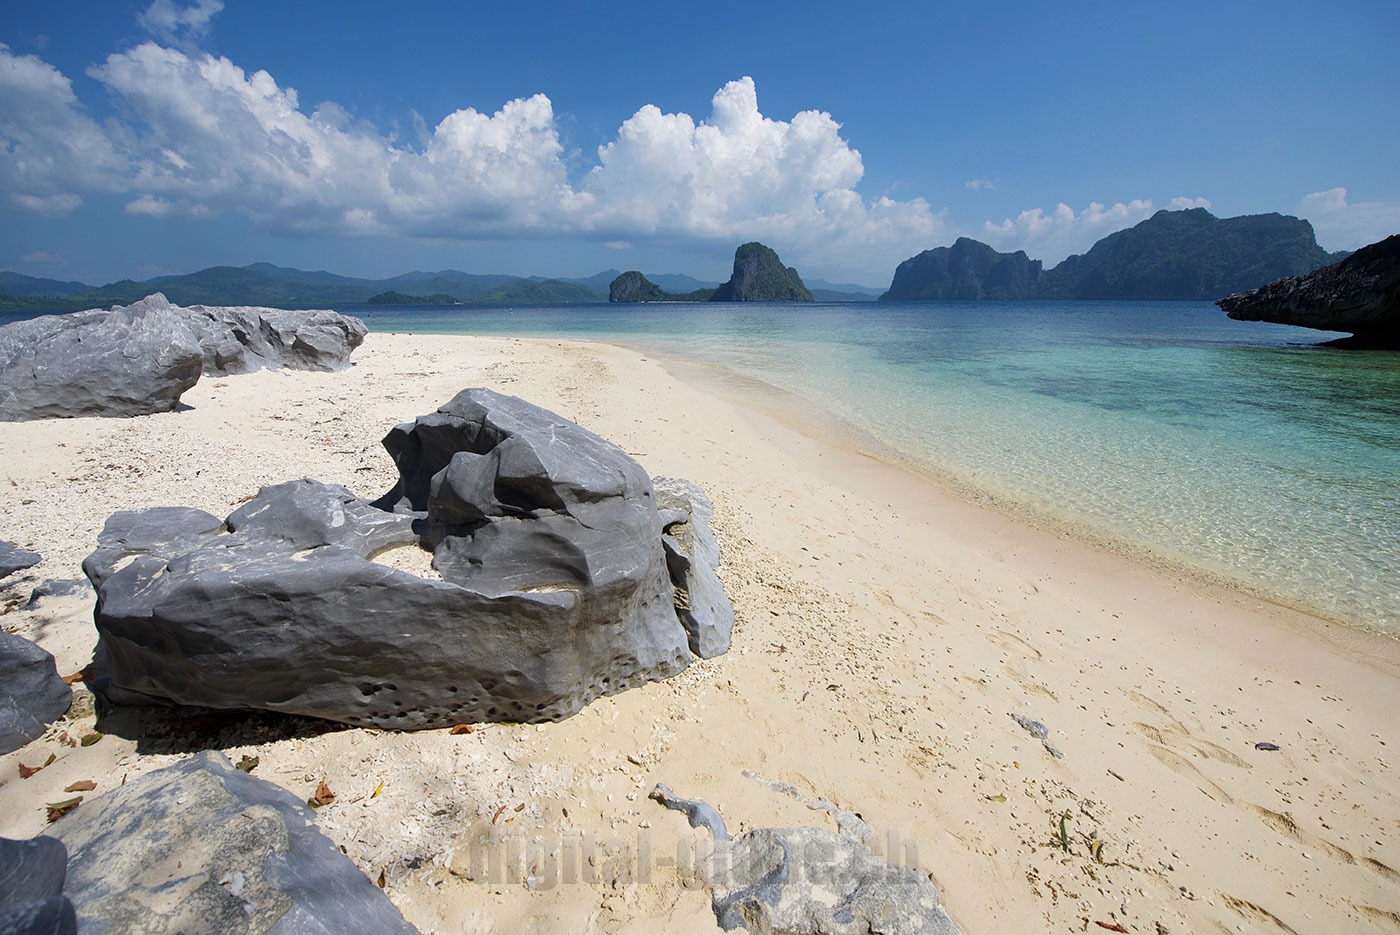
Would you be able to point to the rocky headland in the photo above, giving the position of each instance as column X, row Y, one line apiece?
column 758, row 276
column 1171, row 256
column 1359, row 295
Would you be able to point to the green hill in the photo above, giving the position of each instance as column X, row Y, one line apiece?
column 759, row 276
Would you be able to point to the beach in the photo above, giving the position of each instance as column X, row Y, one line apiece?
column 886, row 630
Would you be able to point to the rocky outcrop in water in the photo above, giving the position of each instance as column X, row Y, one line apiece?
column 759, row 276
column 1171, row 256
column 1359, row 295
column 965, row 271
column 236, row 854
column 632, row 286
column 554, row 588
column 138, row 359
column 32, row 696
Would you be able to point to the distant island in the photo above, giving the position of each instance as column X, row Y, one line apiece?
column 1173, row 255
column 759, row 276
column 390, row 297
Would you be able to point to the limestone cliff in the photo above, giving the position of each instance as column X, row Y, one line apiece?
column 759, row 276
column 1359, row 295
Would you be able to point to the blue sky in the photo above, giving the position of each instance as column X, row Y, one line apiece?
column 563, row 139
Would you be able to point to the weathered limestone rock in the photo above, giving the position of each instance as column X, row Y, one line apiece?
column 692, row 555
column 554, row 584
column 235, row 854
column 1360, row 295
column 139, row 358
column 31, row 888
column 795, row 881
column 31, row 694
column 13, row 559
column 124, row 362
column 241, row 339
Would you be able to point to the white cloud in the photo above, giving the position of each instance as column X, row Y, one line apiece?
column 179, row 24
column 1344, row 225
column 41, row 256
column 50, row 151
column 1181, row 203
column 978, row 185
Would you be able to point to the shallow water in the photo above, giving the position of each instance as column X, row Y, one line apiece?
column 1240, row 449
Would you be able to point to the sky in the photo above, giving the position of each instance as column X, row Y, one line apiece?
column 562, row 139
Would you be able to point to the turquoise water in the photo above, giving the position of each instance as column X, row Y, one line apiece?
column 1239, row 449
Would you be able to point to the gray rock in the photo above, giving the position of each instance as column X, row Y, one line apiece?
column 241, row 339
column 201, row 846
column 793, row 881
column 554, row 584
column 31, row 888
column 31, row 694
column 51, row 588
column 796, row 881
column 13, row 559
column 124, row 362
column 692, row 555
column 1360, row 295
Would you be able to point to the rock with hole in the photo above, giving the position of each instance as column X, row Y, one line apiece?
column 554, row 586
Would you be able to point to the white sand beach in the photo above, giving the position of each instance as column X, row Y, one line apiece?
column 886, row 631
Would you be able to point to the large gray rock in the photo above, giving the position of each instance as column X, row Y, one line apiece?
column 31, row 694
column 13, row 559
column 139, row 358
column 1360, row 295
column 201, row 846
column 554, row 584
column 241, row 339
column 809, row 881
column 692, row 555
column 124, row 362
column 31, row 888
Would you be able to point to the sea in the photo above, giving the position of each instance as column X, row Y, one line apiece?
column 1245, row 452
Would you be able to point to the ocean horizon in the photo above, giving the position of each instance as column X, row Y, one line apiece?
column 1245, row 452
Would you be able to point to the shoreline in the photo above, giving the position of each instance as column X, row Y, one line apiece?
column 813, row 421
column 885, row 631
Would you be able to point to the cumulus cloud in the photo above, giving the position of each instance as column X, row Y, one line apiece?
column 1344, row 225
column 741, row 174
column 50, row 150
column 41, row 256
column 199, row 136
column 179, row 24
column 1181, row 203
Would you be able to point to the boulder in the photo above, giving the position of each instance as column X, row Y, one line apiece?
column 124, row 362
column 1360, row 295
column 137, row 359
column 13, row 559
column 31, row 888
column 31, row 694
column 554, row 584
column 692, row 555
column 242, row 339
column 809, row 881
column 202, row 846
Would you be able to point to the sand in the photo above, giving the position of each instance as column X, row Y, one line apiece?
column 886, row 629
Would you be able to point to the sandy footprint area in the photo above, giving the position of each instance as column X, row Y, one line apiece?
column 885, row 633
